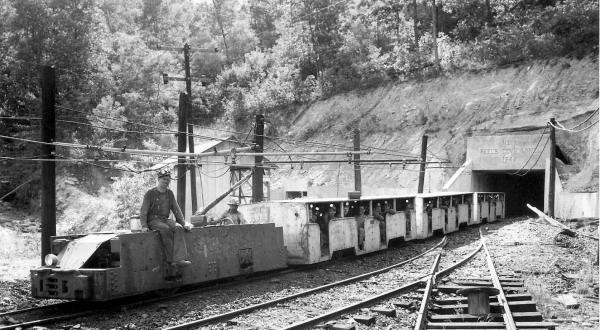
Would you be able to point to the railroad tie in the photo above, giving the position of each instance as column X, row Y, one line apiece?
column 451, row 312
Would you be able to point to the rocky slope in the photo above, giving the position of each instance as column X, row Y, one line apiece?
column 448, row 109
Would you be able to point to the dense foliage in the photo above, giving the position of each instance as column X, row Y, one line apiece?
column 274, row 54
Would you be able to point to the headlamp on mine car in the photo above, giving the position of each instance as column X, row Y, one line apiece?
column 51, row 260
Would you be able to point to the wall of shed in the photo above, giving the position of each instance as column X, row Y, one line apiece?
column 212, row 179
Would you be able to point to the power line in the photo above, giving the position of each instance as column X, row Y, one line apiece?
column 314, row 143
column 583, row 122
column 142, row 125
column 539, row 156
column 532, row 153
column 562, row 128
column 319, row 10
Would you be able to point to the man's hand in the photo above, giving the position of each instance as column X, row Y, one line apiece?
column 188, row 226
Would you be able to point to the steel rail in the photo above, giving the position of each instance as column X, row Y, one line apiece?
column 31, row 309
column 251, row 308
column 48, row 320
column 408, row 287
column 340, row 311
column 507, row 315
column 422, row 314
column 212, row 287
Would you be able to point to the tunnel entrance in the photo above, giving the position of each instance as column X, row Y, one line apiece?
column 519, row 190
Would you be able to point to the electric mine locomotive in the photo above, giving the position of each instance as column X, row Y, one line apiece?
column 104, row 266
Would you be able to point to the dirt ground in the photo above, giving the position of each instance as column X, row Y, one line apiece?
column 553, row 266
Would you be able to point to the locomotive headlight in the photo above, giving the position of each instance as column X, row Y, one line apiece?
column 51, row 260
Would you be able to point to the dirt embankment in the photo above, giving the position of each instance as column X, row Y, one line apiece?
column 448, row 109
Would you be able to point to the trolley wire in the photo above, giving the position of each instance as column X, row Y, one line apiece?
column 559, row 126
column 583, row 122
column 166, row 131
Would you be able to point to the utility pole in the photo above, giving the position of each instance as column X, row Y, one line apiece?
column 423, row 163
column 257, row 176
column 552, row 169
column 181, row 147
column 48, row 134
column 188, row 88
column 434, row 23
column 357, row 176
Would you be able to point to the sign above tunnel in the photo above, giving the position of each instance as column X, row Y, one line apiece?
column 508, row 152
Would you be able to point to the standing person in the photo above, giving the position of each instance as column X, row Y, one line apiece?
column 379, row 216
column 157, row 206
column 235, row 216
column 387, row 210
column 360, row 226
column 324, row 225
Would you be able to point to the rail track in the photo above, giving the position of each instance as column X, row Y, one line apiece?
column 512, row 308
column 72, row 309
column 386, row 278
column 439, row 307
column 491, row 302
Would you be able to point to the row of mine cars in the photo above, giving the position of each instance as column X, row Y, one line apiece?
column 104, row 266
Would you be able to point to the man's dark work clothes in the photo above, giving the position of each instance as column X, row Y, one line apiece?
column 155, row 212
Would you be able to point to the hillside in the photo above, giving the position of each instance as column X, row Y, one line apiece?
column 447, row 109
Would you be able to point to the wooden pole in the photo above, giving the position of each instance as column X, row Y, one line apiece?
column 434, row 23
column 257, row 177
column 188, row 89
column 181, row 146
column 423, row 163
column 48, row 134
column 552, row 169
column 357, row 172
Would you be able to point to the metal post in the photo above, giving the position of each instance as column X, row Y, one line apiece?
column 552, row 169
column 357, row 176
column 181, row 146
column 257, row 177
column 48, row 134
column 188, row 89
column 422, row 167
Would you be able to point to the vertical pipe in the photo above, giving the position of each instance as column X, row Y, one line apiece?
column 181, row 146
column 188, row 89
column 423, row 163
column 48, row 134
column 357, row 176
column 552, row 169
column 257, row 177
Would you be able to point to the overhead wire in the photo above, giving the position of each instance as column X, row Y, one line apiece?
column 562, row 128
column 142, row 125
column 583, row 122
column 532, row 153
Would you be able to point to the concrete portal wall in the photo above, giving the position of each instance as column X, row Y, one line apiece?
column 576, row 205
column 506, row 152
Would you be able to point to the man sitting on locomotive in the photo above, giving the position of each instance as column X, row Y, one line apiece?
column 232, row 216
column 157, row 206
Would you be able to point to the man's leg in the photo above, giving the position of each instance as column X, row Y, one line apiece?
column 166, row 237
column 179, row 247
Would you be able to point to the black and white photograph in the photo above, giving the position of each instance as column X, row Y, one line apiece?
column 299, row 164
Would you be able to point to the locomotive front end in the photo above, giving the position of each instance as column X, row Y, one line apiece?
column 79, row 268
